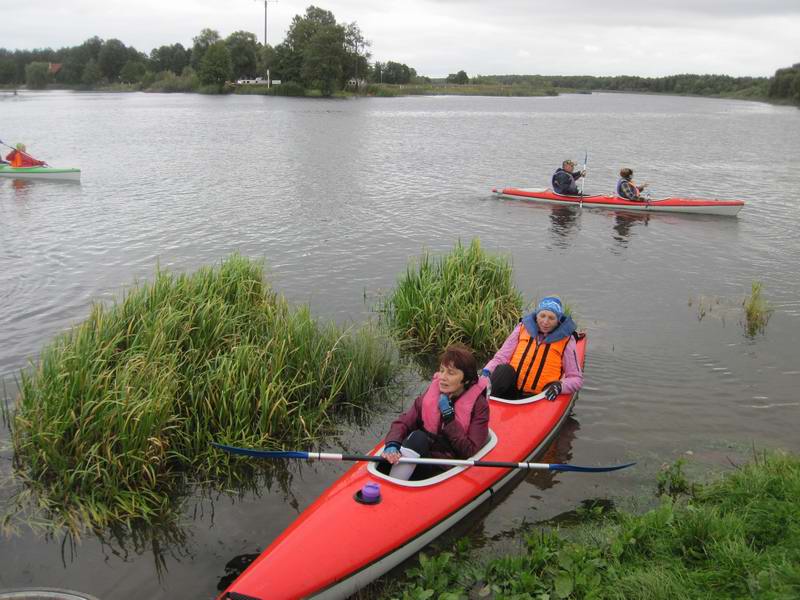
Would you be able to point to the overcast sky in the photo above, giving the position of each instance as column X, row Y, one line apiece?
column 438, row 37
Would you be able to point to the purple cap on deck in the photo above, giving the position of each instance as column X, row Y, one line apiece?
column 371, row 492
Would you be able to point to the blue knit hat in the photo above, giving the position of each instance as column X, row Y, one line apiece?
column 552, row 304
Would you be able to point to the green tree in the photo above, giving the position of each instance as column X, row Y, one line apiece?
column 459, row 78
column 267, row 60
column 392, row 72
column 8, row 70
column 132, row 72
column 206, row 39
column 215, row 68
column 243, row 47
column 169, row 58
column 356, row 61
column 323, row 58
column 291, row 54
column 113, row 56
column 92, row 75
column 37, row 75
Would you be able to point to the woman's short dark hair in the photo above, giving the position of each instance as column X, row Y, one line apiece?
column 626, row 173
column 460, row 356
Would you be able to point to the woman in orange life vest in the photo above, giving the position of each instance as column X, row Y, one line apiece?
column 449, row 420
column 539, row 356
column 20, row 158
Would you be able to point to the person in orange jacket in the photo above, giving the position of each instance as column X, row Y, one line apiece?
column 20, row 158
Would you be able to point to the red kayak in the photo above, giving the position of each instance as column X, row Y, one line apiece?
column 339, row 544
column 727, row 208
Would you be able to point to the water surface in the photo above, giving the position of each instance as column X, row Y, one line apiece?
column 337, row 195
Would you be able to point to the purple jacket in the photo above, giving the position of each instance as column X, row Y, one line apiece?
column 572, row 378
column 452, row 441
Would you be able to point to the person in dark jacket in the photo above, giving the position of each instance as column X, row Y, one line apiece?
column 626, row 188
column 565, row 179
column 449, row 420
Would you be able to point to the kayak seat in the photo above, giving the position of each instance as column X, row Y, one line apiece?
column 375, row 471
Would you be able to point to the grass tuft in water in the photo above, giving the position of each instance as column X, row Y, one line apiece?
column 756, row 311
column 465, row 296
column 120, row 411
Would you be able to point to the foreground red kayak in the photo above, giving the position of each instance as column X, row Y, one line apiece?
column 728, row 208
column 339, row 544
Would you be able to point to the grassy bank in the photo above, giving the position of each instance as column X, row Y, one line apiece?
column 737, row 537
column 465, row 296
column 120, row 411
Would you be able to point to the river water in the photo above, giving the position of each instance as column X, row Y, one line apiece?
column 336, row 195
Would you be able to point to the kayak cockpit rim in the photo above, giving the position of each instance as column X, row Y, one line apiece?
column 372, row 467
column 528, row 400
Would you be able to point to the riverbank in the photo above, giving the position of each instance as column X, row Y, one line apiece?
column 737, row 536
column 177, row 84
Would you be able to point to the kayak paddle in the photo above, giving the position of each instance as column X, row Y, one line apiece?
column 445, row 462
column 583, row 179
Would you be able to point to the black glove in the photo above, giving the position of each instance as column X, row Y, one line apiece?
column 446, row 408
column 552, row 390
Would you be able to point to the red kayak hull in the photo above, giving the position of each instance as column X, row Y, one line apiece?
column 728, row 208
column 338, row 545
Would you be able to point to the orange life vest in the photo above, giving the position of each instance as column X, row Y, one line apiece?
column 16, row 159
column 537, row 364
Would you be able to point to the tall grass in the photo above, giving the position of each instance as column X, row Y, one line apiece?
column 738, row 537
column 465, row 296
column 121, row 410
column 756, row 311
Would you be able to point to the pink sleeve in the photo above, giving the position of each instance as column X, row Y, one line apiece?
column 572, row 380
column 503, row 356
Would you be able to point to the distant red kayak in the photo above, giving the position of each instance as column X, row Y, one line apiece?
column 338, row 545
column 728, row 208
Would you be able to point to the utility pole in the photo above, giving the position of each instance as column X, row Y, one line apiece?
column 265, row 20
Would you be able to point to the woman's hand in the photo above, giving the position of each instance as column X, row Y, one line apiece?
column 391, row 452
column 446, row 408
column 552, row 390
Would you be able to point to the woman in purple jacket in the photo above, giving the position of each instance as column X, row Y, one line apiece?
column 450, row 420
column 539, row 356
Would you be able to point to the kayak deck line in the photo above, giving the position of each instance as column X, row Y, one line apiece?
column 676, row 205
column 371, row 539
column 52, row 173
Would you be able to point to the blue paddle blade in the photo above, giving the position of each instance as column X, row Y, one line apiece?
column 590, row 469
column 261, row 453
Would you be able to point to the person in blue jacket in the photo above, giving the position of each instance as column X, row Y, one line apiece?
column 565, row 179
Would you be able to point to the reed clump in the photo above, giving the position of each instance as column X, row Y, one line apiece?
column 756, row 311
column 465, row 296
column 121, row 410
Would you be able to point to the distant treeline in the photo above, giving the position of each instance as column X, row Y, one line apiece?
column 317, row 53
column 783, row 86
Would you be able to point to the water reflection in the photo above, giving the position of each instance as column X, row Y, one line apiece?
column 164, row 539
column 233, row 568
column 559, row 451
column 564, row 225
column 624, row 222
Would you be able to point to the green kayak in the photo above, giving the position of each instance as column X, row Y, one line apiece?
column 40, row 173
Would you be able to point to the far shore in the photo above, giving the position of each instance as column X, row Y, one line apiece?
column 394, row 91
